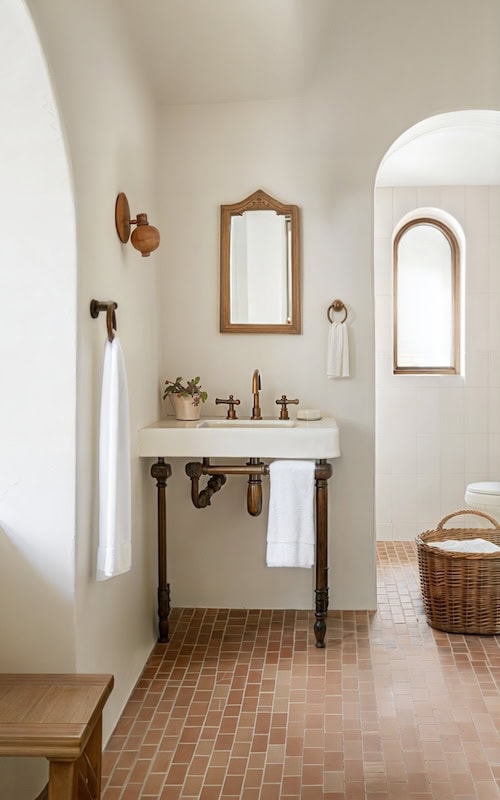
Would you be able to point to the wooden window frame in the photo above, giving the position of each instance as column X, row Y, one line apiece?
column 454, row 368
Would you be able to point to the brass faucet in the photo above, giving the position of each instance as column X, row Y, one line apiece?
column 256, row 386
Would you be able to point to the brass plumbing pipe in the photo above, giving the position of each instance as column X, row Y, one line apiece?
column 254, row 489
column 254, row 469
column 195, row 470
column 257, row 468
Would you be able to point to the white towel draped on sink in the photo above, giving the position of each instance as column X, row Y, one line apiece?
column 290, row 526
column 115, row 518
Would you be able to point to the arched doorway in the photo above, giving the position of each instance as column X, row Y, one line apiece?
column 443, row 428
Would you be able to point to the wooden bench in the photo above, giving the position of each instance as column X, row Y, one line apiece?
column 58, row 717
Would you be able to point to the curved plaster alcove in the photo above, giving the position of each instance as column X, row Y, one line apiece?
column 443, row 426
column 37, row 365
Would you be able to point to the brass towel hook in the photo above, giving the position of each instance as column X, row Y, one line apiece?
column 337, row 305
column 109, row 306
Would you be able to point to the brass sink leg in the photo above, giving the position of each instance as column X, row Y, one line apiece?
column 322, row 473
column 161, row 472
column 255, row 468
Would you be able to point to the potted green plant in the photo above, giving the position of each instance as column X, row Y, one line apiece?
column 186, row 397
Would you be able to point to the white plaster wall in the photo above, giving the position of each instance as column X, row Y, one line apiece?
column 37, row 362
column 436, row 434
column 217, row 555
column 110, row 125
column 37, row 366
column 320, row 151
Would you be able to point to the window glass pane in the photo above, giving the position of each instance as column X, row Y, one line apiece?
column 425, row 299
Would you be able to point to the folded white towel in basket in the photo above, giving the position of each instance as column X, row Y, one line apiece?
column 290, row 526
column 467, row 545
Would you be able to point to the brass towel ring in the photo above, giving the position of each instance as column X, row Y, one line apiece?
column 337, row 305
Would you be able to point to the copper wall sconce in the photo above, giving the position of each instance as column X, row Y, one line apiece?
column 145, row 237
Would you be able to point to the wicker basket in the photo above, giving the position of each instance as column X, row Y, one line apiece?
column 460, row 591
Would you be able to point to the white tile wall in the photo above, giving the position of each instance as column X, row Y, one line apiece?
column 478, row 264
column 404, row 200
column 476, row 457
column 477, row 213
column 428, row 410
column 428, row 500
column 452, row 410
column 476, row 321
column 494, row 455
column 453, row 453
column 435, row 434
column 477, row 369
column 494, row 367
column 429, row 196
column 453, row 201
column 494, row 261
column 428, row 454
column 404, row 502
column 494, row 411
column 494, row 208
column 476, row 407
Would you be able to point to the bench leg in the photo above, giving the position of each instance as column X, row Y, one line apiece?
column 80, row 779
column 63, row 780
column 92, row 757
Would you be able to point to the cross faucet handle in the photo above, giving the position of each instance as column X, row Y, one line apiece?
column 231, row 413
column 283, row 402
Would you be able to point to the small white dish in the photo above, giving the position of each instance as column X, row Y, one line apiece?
column 308, row 413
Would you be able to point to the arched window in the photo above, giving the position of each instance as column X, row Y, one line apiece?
column 426, row 298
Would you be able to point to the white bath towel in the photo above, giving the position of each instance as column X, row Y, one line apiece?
column 115, row 518
column 467, row 545
column 290, row 525
column 337, row 363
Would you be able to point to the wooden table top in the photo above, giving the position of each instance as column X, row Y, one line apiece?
column 50, row 715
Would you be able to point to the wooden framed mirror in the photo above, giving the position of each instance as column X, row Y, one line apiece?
column 260, row 266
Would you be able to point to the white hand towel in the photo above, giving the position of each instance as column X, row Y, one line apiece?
column 115, row 517
column 337, row 364
column 290, row 526
column 467, row 545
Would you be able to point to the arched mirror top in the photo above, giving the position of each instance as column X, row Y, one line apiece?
column 260, row 266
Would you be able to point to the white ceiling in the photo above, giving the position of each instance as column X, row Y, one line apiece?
column 214, row 51
column 210, row 51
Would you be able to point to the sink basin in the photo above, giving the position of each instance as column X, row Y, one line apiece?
column 246, row 423
column 221, row 438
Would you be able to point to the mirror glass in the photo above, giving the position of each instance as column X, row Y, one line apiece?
column 260, row 290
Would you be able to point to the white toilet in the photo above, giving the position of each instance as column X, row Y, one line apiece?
column 484, row 496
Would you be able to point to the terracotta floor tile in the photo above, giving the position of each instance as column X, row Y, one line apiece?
column 240, row 704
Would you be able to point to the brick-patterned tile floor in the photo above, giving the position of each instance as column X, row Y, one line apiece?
column 240, row 704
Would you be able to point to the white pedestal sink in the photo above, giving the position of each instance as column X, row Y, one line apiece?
column 248, row 439
column 217, row 437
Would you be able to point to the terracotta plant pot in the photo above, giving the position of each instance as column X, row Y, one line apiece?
column 184, row 408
